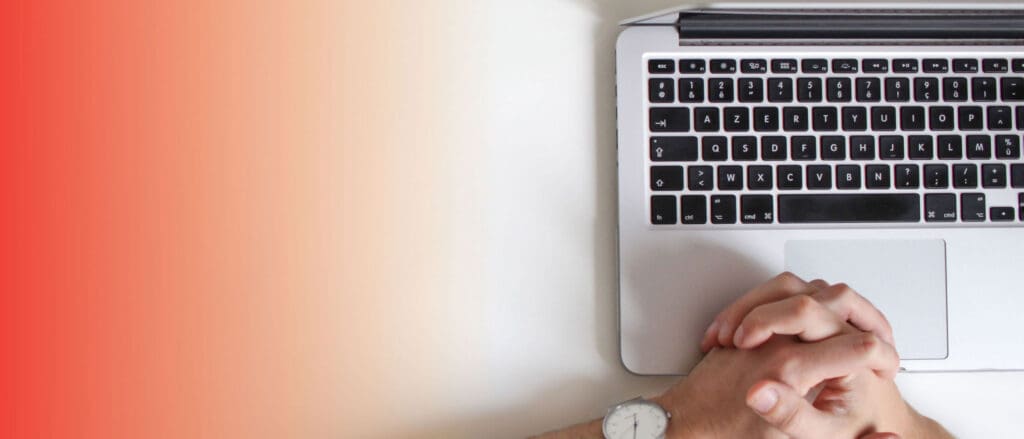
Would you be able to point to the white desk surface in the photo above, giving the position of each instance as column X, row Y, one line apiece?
column 515, row 331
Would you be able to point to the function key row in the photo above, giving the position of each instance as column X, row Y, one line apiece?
column 838, row 65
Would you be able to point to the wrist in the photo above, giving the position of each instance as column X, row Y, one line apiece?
column 681, row 423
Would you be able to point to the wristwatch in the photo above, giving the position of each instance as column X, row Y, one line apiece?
column 635, row 419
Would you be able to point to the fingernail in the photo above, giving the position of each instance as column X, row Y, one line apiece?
column 764, row 400
column 738, row 336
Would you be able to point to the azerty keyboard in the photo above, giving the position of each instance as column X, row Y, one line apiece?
column 894, row 140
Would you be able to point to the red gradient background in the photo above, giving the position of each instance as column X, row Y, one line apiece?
column 193, row 207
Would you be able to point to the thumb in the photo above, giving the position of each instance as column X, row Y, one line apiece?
column 787, row 410
column 881, row 436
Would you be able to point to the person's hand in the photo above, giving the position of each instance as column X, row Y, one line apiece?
column 850, row 401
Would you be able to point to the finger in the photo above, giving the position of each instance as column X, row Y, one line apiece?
column 787, row 410
column 798, row 315
column 853, row 307
column 837, row 357
column 720, row 332
column 881, row 436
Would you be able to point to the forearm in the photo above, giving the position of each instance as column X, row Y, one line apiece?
column 587, row 430
column 928, row 428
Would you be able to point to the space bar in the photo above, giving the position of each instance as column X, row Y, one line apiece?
column 850, row 208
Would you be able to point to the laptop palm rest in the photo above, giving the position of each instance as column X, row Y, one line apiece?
column 905, row 279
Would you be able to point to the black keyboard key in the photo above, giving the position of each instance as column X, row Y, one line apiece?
column 965, row 176
column 862, row 147
column 912, row 118
column 666, row 178
column 759, row 177
column 773, row 148
column 1001, row 213
column 972, row 207
column 692, row 66
column 766, row 119
column 754, row 66
column 1020, row 206
column 920, row 147
column 656, row 66
column 1017, row 176
column 794, row 119
column 730, row 178
column 965, row 65
column 993, row 175
column 877, row 177
column 926, row 89
column 691, row 90
column 849, row 208
column 838, row 89
column 890, row 147
column 844, row 65
column 848, row 177
column 819, row 177
column 936, row 176
column 868, row 89
column 744, row 148
column 720, row 90
column 803, row 147
column 994, row 65
column 1007, row 147
column 757, row 209
column 663, row 209
column 939, row 207
column 715, row 148
column 705, row 119
column 935, row 65
column 700, row 178
column 983, row 89
column 808, row 89
column 673, row 149
column 855, row 119
column 941, row 118
column 814, row 66
column 693, row 209
column 897, row 89
column 970, row 118
column 751, row 90
column 661, row 90
column 883, row 118
column 904, row 65
column 875, row 65
column 790, row 177
column 907, row 177
column 736, row 119
column 1000, row 118
column 784, row 66
column 1012, row 89
column 1020, row 118
column 833, row 148
column 1018, row 65
column 723, row 209
column 954, row 89
column 723, row 66
column 979, row 147
column 950, row 147
column 670, row 119
column 825, row 118
column 780, row 90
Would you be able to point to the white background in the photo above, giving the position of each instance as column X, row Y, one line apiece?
column 537, row 343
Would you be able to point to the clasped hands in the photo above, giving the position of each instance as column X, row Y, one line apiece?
column 795, row 359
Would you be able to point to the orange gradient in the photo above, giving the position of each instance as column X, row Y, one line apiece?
column 217, row 216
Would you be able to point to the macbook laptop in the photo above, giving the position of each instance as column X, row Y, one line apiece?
column 877, row 146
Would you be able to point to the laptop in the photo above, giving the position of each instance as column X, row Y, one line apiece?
column 877, row 146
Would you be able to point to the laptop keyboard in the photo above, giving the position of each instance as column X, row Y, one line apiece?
column 748, row 142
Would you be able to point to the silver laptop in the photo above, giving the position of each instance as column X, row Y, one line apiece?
column 880, row 147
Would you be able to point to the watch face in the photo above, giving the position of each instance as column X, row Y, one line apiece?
column 636, row 420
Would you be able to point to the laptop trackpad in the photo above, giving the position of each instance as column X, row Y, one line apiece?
column 906, row 280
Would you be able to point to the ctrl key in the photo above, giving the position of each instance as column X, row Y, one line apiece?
column 663, row 209
column 939, row 207
column 757, row 209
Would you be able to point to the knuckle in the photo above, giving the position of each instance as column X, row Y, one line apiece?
column 804, row 305
column 867, row 344
column 788, row 280
column 789, row 369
